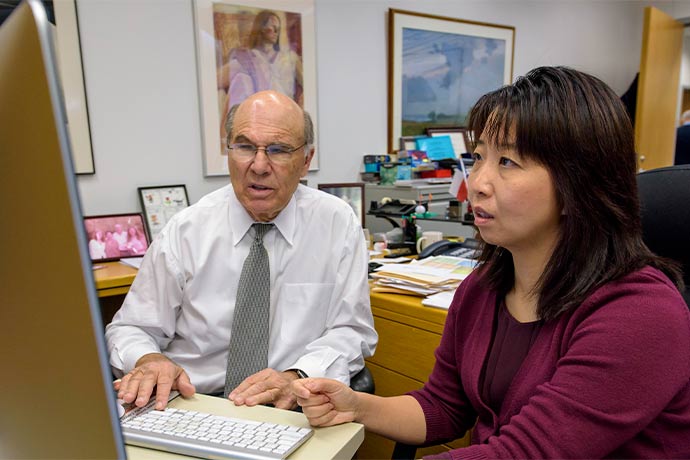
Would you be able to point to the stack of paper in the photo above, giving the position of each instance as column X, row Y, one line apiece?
column 423, row 277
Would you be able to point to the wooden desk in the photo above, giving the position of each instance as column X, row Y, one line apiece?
column 113, row 279
column 337, row 442
column 408, row 335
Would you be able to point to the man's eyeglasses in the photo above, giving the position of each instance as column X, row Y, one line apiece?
column 276, row 153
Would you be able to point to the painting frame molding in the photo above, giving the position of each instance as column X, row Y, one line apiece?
column 71, row 70
column 457, row 135
column 213, row 154
column 401, row 19
column 330, row 188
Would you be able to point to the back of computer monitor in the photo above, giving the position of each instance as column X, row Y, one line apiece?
column 56, row 398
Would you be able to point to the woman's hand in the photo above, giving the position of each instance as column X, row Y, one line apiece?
column 326, row 402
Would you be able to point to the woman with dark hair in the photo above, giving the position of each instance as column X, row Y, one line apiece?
column 570, row 339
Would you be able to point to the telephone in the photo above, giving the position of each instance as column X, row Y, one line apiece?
column 466, row 249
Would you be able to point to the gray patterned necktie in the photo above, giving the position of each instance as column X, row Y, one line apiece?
column 248, row 352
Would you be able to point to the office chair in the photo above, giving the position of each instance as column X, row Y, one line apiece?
column 665, row 211
column 403, row 451
column 363, row 381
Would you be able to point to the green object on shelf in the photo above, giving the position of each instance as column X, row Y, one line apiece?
column 388, row 173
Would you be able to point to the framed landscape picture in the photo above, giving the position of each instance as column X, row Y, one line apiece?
column 160, row 203
column 438, row 67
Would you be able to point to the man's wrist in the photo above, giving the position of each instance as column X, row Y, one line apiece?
column 300, row 373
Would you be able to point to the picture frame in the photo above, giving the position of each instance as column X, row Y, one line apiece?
column 159, row 203
column 229, row 68
column 438, row 67
column 350, row 192
column 459, row 138
column 68, row 49
column 408, row 142
column 116, row 236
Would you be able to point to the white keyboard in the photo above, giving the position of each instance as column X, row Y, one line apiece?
column 210, row 436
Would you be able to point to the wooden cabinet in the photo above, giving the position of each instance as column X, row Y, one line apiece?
column 113, row 280
column 408, row 335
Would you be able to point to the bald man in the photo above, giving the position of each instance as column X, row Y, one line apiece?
column 175, row 326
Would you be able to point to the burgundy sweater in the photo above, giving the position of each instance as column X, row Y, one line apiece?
column 610, row 379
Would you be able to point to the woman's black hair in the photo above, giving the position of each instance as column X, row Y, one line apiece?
column 576, row 127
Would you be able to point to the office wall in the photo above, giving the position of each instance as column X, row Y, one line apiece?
column 140, row 71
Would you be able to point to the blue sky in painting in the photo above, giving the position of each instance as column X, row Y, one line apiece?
column 446, row 73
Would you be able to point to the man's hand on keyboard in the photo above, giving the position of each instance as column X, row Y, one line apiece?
column 326, row 402
column 266, row 387
column 153, row 370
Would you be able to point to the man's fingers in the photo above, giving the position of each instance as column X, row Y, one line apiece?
column 129, row 388
column 162, row 393
column 255, row 384
column 153, row 371
column 286, row 403
column 254, row 379
column 265, row 397
column 240, row 396
column 146, row 385
column 184, row 385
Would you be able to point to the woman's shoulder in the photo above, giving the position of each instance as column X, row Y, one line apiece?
column 645, row 295
column 647, row 285
column 641, row 311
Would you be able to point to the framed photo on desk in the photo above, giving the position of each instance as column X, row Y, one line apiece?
column 116, row 236
column 352, row 193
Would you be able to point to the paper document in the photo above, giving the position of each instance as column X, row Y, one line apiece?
column 132, row 261
column 423, row 277
column 439, row 300
column 395, row 260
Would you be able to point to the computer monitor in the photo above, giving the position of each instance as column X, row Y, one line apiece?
column 56, row 396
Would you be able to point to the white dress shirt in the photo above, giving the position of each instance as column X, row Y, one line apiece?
column 183, row 298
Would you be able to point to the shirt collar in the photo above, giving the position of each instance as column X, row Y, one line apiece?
column 241, row 221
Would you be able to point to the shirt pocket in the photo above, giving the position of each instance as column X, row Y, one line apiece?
column 302, row 311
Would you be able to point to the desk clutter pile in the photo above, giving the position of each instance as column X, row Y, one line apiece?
column 422, row 277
